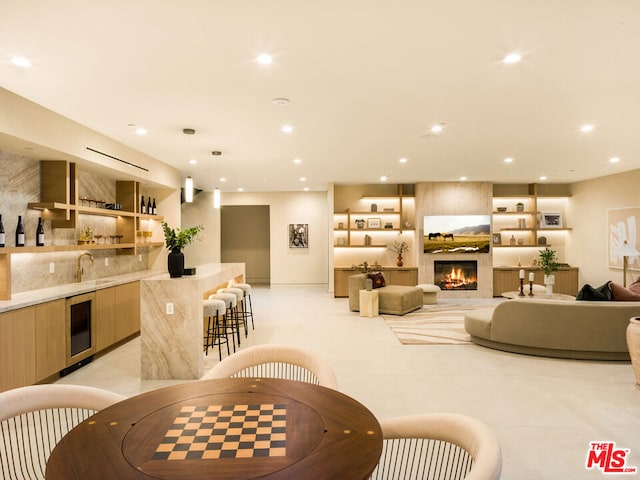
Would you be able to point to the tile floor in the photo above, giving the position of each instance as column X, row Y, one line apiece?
column 544, row 411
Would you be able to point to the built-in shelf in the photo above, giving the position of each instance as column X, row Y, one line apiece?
column 521, row 246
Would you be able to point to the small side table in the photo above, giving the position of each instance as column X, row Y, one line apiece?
column 369, row 303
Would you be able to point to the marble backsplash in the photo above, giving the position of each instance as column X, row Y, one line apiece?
column 19, row 185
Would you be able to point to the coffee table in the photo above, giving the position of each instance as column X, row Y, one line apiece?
column 537, row 296
column 228, row 429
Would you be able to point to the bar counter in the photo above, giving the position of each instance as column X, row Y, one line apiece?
column 171, row 343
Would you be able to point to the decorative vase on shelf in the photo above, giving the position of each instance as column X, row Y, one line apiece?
column 399, row 262
column 175, row 263
column 633, row 345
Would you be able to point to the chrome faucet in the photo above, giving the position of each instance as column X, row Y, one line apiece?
column 79, row 270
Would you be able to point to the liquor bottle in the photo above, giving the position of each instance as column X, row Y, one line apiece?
column 20, row 233
column 2, row 237
column 149, row 208
column 154, row 212
column 40, row 234
column 143, row 206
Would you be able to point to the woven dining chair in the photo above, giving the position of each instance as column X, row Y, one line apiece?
column 34, row 419
column 438, row 446
column 276, row 361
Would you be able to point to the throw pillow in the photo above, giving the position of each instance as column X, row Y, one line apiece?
column 595, row 294
column 623, row 294
column 377, row 279
column 635, row 286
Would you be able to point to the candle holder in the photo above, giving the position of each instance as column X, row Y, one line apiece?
column 531, row 288
column 521, row 294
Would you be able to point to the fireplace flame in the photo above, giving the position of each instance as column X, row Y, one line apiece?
column 456, row 279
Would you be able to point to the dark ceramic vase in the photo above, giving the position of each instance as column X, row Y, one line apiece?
column 175, row 263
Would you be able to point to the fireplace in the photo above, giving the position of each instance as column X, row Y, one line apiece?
column 456, row 274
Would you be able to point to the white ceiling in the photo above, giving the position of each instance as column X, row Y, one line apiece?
column 367, row 79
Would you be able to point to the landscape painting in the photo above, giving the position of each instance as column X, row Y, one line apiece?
column 457, row 233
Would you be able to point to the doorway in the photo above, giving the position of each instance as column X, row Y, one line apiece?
column 245, row 238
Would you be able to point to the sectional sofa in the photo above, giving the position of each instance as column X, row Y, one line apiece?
column 554, row 328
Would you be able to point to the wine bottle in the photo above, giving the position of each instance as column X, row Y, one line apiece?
column 149, row 211
column 2, row 237
column 20, row 233
column 154, row 206
column 40, row 234
column 143, row 206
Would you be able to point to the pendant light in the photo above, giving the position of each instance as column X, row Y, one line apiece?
column 188, row 190
column 216, row 190
column 188, row 183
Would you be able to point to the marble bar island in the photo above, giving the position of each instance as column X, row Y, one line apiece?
column 171, row 344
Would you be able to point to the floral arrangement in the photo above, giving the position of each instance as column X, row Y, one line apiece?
column 174, row 238
column 399, row 247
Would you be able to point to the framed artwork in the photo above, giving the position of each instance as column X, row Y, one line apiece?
column 623, row 226
column 551, row 220
column 497, row 239
column 374, row 223
column 298, row 235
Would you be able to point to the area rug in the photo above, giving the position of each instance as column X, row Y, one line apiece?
column 432, row 325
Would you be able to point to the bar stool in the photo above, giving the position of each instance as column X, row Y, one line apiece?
column 246, row 301
column 216, row 333
column 231, row 313
column 240, row 302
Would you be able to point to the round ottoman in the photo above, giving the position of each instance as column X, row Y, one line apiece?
column 429, row 293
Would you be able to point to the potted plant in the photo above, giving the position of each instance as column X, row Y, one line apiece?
column 548, row 263
column 399, row 248
column 360, row 222
column 175, row 240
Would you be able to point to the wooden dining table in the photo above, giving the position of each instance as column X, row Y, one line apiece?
column 227, row 429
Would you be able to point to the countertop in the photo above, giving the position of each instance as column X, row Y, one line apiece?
column 35, row 297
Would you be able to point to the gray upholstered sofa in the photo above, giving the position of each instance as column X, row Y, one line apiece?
column 393, row 299
column 555, row 328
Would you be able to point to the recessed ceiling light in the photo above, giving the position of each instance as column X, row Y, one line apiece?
column 543, row 178
column 303, row 179
column 21, row 62
column 462, row 179
column 287, row 128
column 383, row 178
column 280, row 101
column 264, row 59
column 586, row 128
column 512, row 58
column 193, row 161
column 222, row 179
column 141, row 131
column 437, row 128
column 306, row 189
column 297, row 161
column 508, row 160
column 614, row 159
column 403, row 160
column 240, row 189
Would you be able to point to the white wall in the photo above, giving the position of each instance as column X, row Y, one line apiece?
column 288, row 265
column 587, row 210
column 206, row 249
